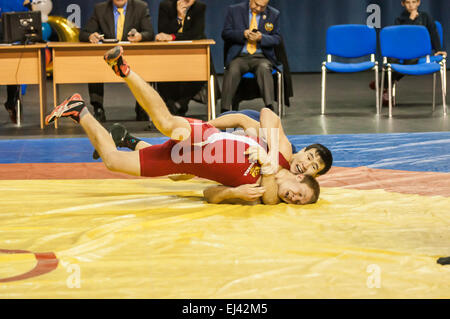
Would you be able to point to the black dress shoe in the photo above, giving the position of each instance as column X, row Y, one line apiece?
column 99, row 114
column 12, row 111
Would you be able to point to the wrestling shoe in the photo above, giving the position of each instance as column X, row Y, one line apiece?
column 71, row 107
column 119, row 133
column 114, row 58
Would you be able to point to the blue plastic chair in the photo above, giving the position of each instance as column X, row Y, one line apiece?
column 350, row 41
column 437, row 58
column 407, row 42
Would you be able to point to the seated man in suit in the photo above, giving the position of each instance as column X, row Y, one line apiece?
column 124, row 20
column 180, row 20
column 12, row 90
column 251, row 32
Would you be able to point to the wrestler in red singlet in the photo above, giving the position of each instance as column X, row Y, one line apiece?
column 208, row 153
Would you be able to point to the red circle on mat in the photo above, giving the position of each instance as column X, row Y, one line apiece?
column 45, row 263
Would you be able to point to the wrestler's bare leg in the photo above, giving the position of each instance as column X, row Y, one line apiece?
column 174, row 127
column 118, row 161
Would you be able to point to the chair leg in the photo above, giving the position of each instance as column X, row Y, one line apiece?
column 380, row 98
column 324, row 83
column 394, row 94
column 390, row 90
column 444, row 66
column 280, row 97
column 434, row 92
column 444, row 91
column 213, row 98
column 377, row 91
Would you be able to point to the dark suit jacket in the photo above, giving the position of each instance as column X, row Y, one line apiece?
column 194, row 28
column 102, row 21
column 194, row 24
column 237, row 21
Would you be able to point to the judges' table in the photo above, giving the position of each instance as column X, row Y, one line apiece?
column 25, row 64
column 153, row 61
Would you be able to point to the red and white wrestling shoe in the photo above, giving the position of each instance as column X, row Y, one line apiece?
column 114, row 58
column 71, row 107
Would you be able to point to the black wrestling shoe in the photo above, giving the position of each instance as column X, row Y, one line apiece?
column 114, row 58
column 444, row 261
column 71, row 107
column 119, row 133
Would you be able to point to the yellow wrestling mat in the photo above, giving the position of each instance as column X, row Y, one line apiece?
column 151, row 238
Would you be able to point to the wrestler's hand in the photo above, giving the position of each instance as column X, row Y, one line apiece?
column 257, row 154
column 249, row 192
column 269, row 164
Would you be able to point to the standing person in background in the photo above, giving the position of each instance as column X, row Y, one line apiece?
column 12, row 90
column 124, row 20
column 180, row 20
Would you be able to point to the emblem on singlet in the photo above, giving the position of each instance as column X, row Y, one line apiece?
column 253, row 170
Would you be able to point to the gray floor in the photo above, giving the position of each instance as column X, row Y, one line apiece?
column 350, row 109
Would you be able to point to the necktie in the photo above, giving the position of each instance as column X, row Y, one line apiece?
column 120, row 24
column 251, row 46
column 181, row 24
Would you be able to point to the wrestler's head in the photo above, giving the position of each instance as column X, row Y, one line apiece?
column 297, row 189
column 314, row 160
column 258, row 6
column 120, row 3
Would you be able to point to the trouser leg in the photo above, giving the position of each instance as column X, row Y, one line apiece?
column 232, row 78
column 263, row 71
column 12, row 95
column 96, row 94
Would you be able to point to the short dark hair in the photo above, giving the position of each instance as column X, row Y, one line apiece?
column 312, row 183
column 325, row 155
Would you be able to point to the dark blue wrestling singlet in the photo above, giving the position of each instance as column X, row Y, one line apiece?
column 253, row 115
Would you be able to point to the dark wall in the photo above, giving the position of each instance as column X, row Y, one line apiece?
column 303, row 22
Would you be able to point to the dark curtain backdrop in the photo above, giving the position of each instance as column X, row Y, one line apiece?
column 303, row 22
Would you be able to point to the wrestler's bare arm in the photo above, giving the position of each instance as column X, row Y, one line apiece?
column 248, row 194
column 269, row 120
column 236, row 121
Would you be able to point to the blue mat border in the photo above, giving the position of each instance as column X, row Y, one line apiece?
column 420, row 152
